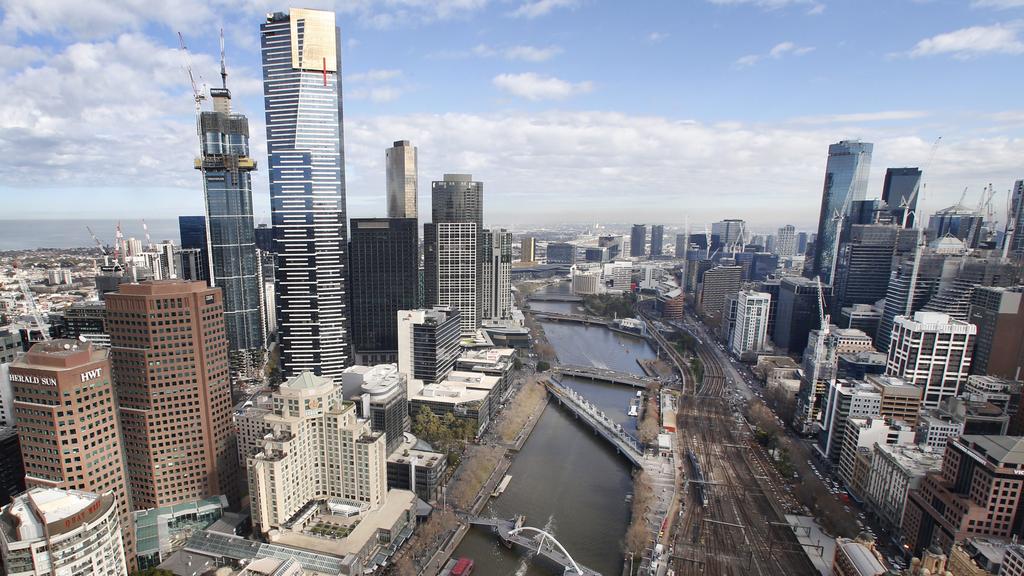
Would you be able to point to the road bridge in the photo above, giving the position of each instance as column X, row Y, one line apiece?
column 598, row 420
column 578, row 318
column 553, row 297
column 536, row 542
column 605, row 375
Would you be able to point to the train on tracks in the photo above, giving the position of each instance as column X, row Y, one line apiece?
column 700, row 490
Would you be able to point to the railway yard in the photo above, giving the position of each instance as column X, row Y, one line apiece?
column 733, row 520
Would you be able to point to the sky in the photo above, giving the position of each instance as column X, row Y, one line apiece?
column 567, row 110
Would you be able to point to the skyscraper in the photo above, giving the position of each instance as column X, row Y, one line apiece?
column 452, row 248
column 169, row 355
column 192, row 233
column 999, row 315
column 496, row 275
column 306, row 157
column 68, row 424
column 785, row 244
column 638, row 240
column 402, row 179
column 384, row 257
column 226, row 167
column 846, row 180
column 865, row 261
column 1015, row 224
column 657, row 239
column 752, row 309
column 898, row 192
column 528, row 249
column 932, row 350
column 428, row 345
column 729, row 232
column 718, row 283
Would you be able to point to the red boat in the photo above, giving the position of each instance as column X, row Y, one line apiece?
column 464, row 567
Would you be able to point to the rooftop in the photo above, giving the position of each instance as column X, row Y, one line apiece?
column 1003, row 450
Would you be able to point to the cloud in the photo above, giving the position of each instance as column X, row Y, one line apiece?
column 100, row 18
column 998, row 4
column 861, row 117
column 537, row 87
column 967, row 43
column 531, row 53
column 375, row 85
column 537, row 8
column 777, row 52
column 657, row 37
column 815, row 6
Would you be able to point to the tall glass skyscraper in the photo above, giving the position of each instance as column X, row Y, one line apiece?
column 452, row 248
column 846, row 181
column 402, row 179
column 226, row 167
column 898, row 189
column 306, row 152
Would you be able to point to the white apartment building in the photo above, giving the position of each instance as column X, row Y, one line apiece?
column 845, row 400
column 49, row 531
column 751, row 329
column 317, row 450
column 932, row 350
column 934, row 428
column 863, row 434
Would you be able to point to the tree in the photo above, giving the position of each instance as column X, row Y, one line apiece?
column 543, row 366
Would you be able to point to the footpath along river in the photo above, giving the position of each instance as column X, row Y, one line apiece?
column 567, row 480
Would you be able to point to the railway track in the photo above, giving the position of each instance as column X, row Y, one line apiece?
column 739, row 532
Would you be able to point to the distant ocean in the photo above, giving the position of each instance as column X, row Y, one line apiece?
column 29, row 234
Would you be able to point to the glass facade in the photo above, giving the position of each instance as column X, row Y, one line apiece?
column 227, row 168
column 846, row 181
column 302, row 97
column 897, row 190
column 638, row 240
column 384, row 256
column 192, row 233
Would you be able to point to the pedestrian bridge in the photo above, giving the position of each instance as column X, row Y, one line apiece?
column 603, row 374
column 551, row 297
column 578, row 318
column 538, row 543
column 584, row 410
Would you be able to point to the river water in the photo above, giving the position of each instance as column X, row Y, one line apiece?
column 567, row 480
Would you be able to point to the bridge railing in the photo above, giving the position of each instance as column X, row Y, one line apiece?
column 614, row 427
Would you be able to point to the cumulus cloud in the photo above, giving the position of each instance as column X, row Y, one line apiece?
column 973, row 41
column 382, row 85
column 537, row 8
column 537, row 87
column 780, row 50
column 531, row 53
column 998, row 4
column 860, row 117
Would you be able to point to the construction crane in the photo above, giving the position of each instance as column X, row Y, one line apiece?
column 33, row 308
column 149, row 241
column 198, row 86
column 1014, row 207
column 99, row 244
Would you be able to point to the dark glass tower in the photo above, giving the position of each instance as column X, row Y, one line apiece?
column 227, row 166
column 452, row 248
column 657, row 239
column 192, row 233
column 898, row 192
column 638, row 240
column 384, row 259
column 306, row 154
column 846, row 181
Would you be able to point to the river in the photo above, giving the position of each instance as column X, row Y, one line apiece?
column 567, row 480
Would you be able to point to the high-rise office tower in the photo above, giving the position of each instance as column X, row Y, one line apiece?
column 657, row 239
column 50, row 530
column 1014, row 239
column 306, row 157
column 752, row 309
column 226, row 167
column 797, row 312
column 682, row 245
column 932, row 350
column 528, row 249
column 912, row 284
column 729, row 231
column 638, row 240
column 384, row 257
column 846, row 181
column 954, row 296
column 496, row 275
column 402, row 179
column 999, row 315
column 612, row 243
column 452, row 247
column 428, row 345
column 264, row 236
column 64, row 403
column 865, row 262
column 718, row 283
column 170, row 359
column 898, row 192
column 957, row 221
column 785, row 243
column 192, row 233
column 801, row 243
